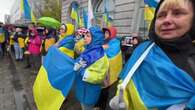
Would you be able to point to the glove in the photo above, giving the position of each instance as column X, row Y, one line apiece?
column 83, row 63
column 79, row 64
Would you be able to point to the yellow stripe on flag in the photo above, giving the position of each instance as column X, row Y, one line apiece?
column 46, row 97
column 115, row 68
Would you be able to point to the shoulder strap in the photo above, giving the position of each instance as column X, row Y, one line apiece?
column 135, row 66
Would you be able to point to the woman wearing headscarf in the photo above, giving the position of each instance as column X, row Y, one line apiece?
column 91, row 67
column 162, row 68
column 34, row 45
column 66, row 39
column 113, row 52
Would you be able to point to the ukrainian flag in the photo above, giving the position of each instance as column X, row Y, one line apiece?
column 54, row 80
column 149, row 9
column 66, row 42
column 2, row 35
column 157, row 83
column 85, row 18
column 26, row 11
column 74, row 13
column 106, row 17
column 115, row 60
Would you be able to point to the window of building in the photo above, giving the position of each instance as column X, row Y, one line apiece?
column 99, row 7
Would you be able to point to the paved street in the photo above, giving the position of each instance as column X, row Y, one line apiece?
column 15, row 86
column 7, row 101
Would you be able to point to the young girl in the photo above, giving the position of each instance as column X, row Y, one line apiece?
column 91, row 67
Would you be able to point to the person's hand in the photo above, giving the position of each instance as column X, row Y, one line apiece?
column 83, row 63
column 105, row 46
column 80, row 64
column 77, row 66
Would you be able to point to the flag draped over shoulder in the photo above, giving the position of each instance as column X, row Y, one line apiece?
column 115, row 60
column 2, row 35
column 89, row 79
column 54, row 80
column 26, row 11
column 149, row 9
column 157, row 83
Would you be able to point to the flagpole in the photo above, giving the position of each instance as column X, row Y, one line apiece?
column 90, row 14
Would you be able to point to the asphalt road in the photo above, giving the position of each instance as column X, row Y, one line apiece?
column 15, row 85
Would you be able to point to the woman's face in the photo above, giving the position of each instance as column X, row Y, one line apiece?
column 174, row 22
column 62, row 31
column 87, row 38
column 107, row 34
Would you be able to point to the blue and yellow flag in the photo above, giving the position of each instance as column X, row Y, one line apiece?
column 26, row 11
column 89, row 78
column 115, row 60
column 66, row 42
column 106, row 17
column 54, row 80
column 2, row 35
column 75, row 15
column 149, row 9
column 66, row 46
column 85, row 18
column 157, row 83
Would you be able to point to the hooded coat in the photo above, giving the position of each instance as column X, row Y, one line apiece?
column 90, row 77
column 113, row 52
column 35, row 43
column 66, row 42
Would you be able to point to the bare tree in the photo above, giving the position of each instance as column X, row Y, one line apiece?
column 49, row 8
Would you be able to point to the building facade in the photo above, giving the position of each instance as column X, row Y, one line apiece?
column 127, row 15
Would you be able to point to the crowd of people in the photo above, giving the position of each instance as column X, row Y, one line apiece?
column 29, row 44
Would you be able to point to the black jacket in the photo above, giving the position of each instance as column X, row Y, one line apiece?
column 181, row 50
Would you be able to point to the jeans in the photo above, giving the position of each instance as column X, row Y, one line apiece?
column 18, row 52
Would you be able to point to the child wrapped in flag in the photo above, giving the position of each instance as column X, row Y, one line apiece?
column 112, row 48
column 91, row 67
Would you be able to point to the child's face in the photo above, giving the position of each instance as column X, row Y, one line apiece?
column 87, row 38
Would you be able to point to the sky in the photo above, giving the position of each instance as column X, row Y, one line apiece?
column 5, row 7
